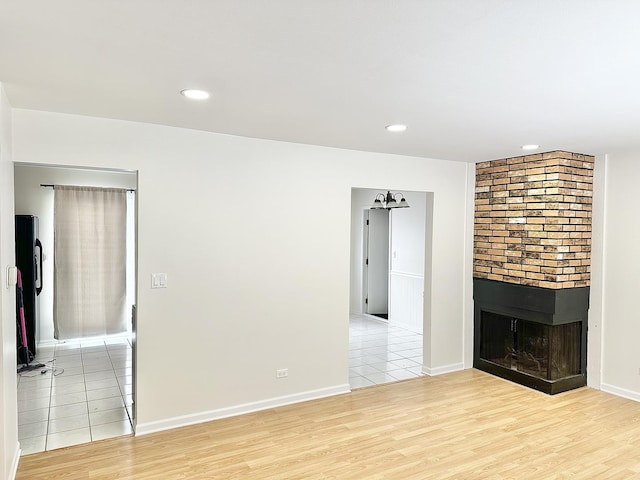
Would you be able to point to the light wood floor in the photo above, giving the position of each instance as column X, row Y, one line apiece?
column 464, row 425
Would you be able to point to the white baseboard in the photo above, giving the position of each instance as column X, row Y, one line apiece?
column 183, row 421
column 432, row 372
column 14, row 464
column 620, row 392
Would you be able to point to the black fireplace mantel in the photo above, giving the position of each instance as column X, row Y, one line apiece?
column 542, row 305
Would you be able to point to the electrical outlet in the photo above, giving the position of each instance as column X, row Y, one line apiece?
column 282, row 373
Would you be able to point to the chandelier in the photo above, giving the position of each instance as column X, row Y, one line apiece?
column 389, row 201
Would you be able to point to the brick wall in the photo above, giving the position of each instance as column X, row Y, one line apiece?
column 533, row 220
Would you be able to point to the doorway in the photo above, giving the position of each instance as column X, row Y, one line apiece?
column 87, row 390
column 396, row 245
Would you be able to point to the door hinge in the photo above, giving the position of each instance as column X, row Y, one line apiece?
column 367, row 222
column 366, row 301
column 366, row 262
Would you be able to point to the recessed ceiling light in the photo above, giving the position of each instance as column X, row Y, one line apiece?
column 396, row 128
column 195, row 94
column 530, row 147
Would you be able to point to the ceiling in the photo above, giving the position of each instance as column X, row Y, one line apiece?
column 473, row 79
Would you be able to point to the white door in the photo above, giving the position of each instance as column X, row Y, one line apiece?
column 377, row 262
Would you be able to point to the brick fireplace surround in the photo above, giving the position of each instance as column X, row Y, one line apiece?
column 532, row 259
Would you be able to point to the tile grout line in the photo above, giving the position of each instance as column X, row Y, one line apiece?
column 124, row 400
column 46, row 435
column 86, row 394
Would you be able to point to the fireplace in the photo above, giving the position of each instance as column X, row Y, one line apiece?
column 532, row 268
column 534, row 336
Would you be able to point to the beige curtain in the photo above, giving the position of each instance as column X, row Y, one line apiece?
column 89, row 261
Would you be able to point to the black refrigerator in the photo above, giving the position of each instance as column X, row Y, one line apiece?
column 29, row 262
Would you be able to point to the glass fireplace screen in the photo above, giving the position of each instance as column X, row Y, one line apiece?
column 549, row 352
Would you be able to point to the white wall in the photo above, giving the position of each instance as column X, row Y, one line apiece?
column 621, row 277
column 249, row 272
column 9, row 447
column 596, row 290
column 407, row 235
column 468, row 327
column 32, row 199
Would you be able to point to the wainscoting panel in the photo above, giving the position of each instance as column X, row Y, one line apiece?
column 405, row 300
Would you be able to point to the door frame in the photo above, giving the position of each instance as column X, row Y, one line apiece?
column 134, row 265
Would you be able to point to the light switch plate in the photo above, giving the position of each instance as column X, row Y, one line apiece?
column 158, row 280
column 12, row 276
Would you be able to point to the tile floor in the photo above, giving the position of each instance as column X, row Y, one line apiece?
column 381, row 353
column 83, row 395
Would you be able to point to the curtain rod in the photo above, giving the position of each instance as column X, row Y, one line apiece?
column 50, row 185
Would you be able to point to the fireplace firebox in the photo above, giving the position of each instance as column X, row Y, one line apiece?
column 531, row 335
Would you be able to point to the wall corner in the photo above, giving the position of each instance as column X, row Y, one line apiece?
column 596, row 303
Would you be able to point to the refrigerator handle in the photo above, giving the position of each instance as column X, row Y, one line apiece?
column 39, row 267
